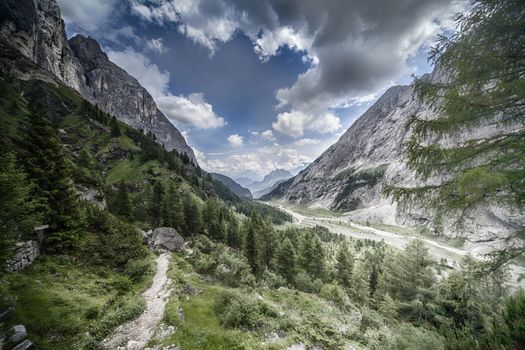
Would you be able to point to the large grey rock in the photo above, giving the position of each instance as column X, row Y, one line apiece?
column 25, row 345
column 18, row 333
column 165, row 239
column 36, row 30
column 25, row 254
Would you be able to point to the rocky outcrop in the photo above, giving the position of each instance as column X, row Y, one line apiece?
column 36, row 31
column 164, row 239
column 350, row 175
column 25, row 254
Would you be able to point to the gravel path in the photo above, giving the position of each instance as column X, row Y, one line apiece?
column 135, row 334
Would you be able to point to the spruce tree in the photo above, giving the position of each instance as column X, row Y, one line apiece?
column 122, row 203
column 251, row 248
column 344, row 265
column 115, row 128
column 155, row 204
column 44, row 160
column 285, row 260
column 484, row 65
column 193, row 216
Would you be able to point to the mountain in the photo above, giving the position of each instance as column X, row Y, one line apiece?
column 267, row 190
column 350, row 175
column 35, row 30
column 232, row 185
column 244, row 181
column 264, row 186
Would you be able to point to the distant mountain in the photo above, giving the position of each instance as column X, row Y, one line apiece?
column 267, row 183
column 35, row 30
column 232, row 185
column 259, row 194
column 244, row 181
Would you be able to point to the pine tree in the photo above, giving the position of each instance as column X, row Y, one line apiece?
column 18, row 211
column 251, row 248
column 155, row 204
column 344, row 265
column 122, row 203
column 233, row 236
column 285, row 261
column 115, row 128
column 484, row 64
column 193, row 216
column 172, row 211
column 360, row 287
column 46, row 164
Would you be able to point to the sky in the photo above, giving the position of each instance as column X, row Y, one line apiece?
column 256, row 85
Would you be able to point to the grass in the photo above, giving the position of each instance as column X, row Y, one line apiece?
column 65, row 305
column 130, row 171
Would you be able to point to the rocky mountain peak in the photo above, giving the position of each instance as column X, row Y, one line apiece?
column 87, row 50
column 36, row 30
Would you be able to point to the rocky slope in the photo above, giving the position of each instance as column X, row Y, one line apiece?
column 350, row 175
column 36, row 31
column 232, row 185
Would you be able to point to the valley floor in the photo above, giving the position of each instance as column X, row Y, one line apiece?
column 397, row 237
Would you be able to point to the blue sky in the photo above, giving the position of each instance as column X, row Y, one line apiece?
column 259, row 85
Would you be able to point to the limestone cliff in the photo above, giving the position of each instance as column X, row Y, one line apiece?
column 36, row 31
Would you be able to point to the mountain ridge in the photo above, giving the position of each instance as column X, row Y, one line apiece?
column 37, row 31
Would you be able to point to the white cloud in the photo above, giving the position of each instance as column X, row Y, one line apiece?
column 306, row 142
column 191, row 110
column 87, row 14
column 235, row 140
column 268, row 135
column 155, row 45
column 255, row 163
column 354, row 48
column 294, row 123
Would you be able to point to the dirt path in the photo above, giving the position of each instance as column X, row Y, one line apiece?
column 135, row 334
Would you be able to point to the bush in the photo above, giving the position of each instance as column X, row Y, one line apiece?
column 237, row 310
column 233, row 269
column 335, row 294
column 136, row 270
column 304, row 283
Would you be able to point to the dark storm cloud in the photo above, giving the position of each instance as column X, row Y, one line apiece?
column 356, row 47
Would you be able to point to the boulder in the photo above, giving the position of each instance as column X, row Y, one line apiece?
column 25, row 345
column 165, row 239
column 25, row 254
column 18, row 334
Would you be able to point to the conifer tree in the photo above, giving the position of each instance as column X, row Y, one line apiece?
column 344, row 265
column 122, row 202
column 115, row 128
column 285, row 260
column 193, row 216
column 155, row 204
column 484, row 65
column 46, row 164
column 251, row 248
column 173, row 211
column 18, row 211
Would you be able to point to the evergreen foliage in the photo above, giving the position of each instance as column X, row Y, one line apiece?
column 483, row 85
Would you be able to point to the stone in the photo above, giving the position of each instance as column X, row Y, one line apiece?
column 25, row 345
column 166, row 239
column 5, row 313
column 25, row 254
column 18, row 334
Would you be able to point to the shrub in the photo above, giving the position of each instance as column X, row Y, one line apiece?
column 136, row 270
column 335, row 294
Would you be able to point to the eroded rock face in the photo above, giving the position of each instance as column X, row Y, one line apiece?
column 164, row 239
column 350, row 175
column 25, row 254
column 36, row 30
